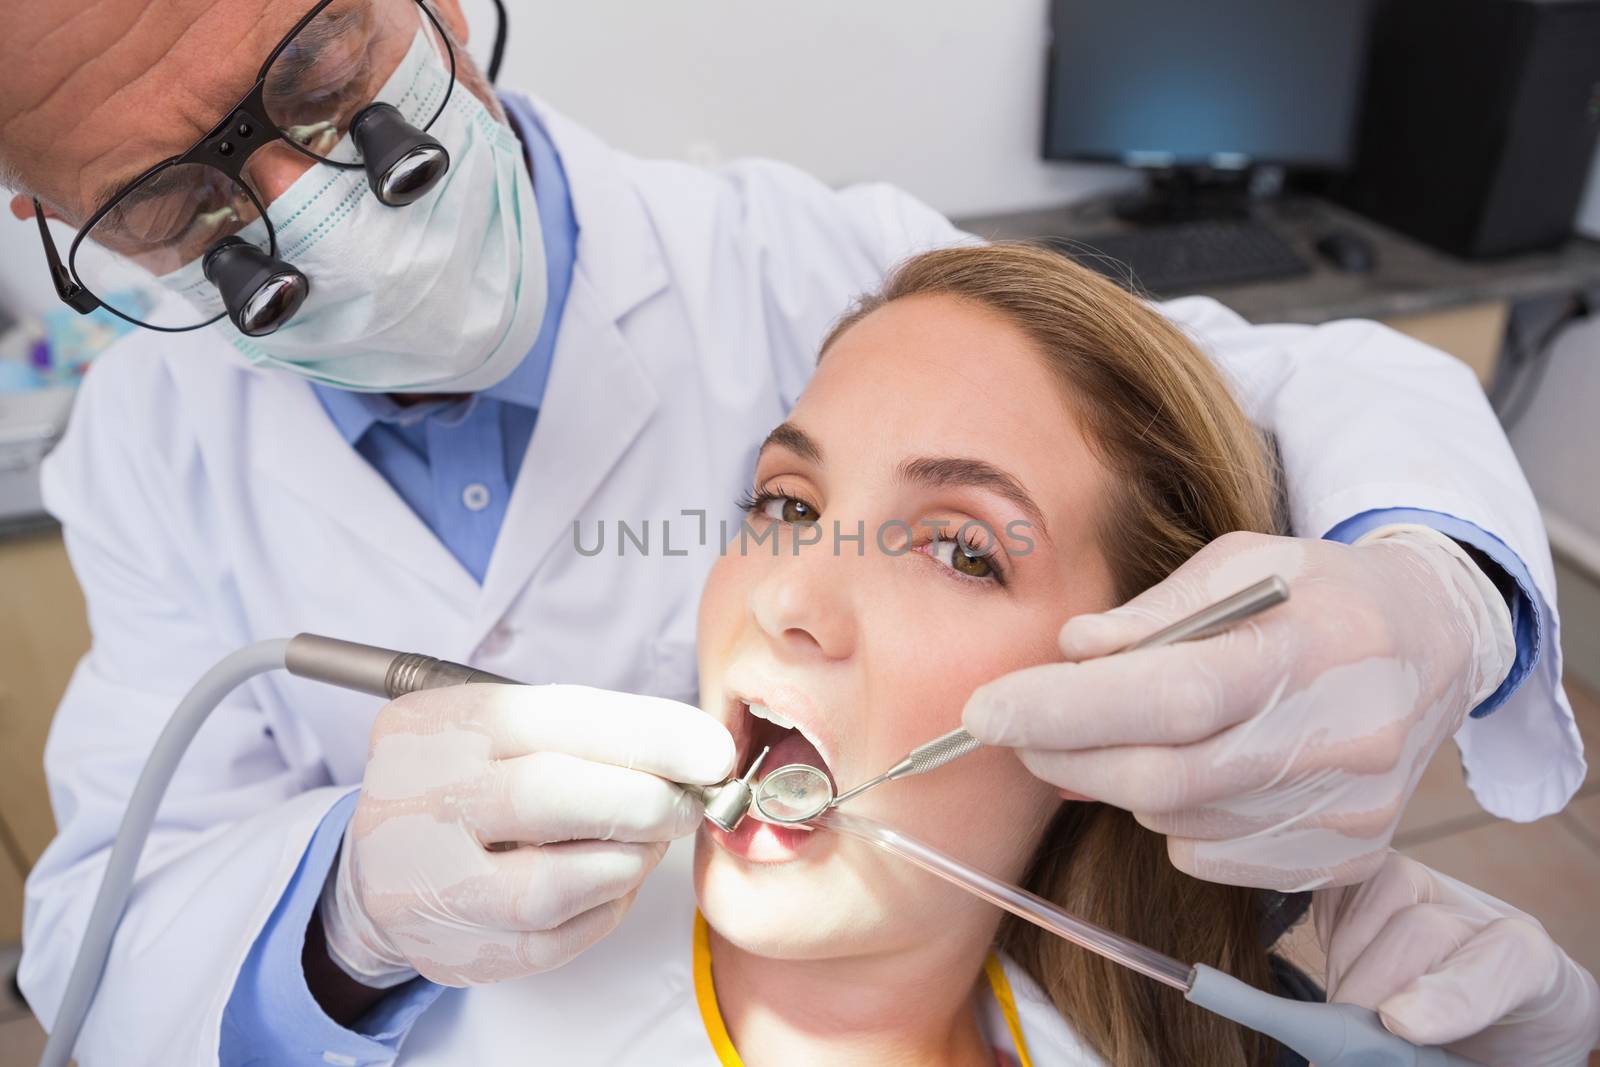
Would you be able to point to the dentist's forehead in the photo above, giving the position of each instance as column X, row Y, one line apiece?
column 92, row 88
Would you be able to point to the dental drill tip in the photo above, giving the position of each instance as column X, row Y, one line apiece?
column 755, row 764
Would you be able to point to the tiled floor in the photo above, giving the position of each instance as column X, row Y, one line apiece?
column 1550, row 869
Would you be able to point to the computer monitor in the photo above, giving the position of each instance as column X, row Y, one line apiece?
column 1218, row 84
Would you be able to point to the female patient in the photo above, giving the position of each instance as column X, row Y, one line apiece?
column 1052, row 448
column 997, row 439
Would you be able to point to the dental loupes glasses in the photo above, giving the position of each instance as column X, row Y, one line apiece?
column 798, row 793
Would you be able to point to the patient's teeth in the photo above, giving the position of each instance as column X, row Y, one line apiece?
column 761, row 711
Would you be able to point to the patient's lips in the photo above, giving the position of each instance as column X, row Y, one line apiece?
column 763, row 842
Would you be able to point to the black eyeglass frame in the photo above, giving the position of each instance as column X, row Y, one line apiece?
column 227, row 148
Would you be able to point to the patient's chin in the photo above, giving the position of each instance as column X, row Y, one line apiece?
column 788, row 911
column 828, row 908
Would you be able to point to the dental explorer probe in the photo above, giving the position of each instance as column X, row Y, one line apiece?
column 380, row 672
column 947, row 748
column 1328, row 1035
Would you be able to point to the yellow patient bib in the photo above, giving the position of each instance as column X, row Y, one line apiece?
column 705, row 995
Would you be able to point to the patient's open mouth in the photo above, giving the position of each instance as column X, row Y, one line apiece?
column 786, row 739
column 756, row 725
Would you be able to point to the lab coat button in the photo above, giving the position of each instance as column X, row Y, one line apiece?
column 475, row 496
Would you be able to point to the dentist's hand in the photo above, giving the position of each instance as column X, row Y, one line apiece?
column 1443, row 964
column 1281, row 753
column 575, row 778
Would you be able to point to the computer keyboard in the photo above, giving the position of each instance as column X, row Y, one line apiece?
column 1184, row 257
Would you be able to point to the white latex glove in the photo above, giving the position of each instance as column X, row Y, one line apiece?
column 577, row 777
column 1443, row 964
column 1280, row 753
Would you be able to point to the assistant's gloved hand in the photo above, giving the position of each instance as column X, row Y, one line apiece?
column 576, row 777
column 1444, row 964
column 1280, row 753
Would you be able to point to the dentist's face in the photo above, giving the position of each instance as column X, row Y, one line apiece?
column 937, row 414
column 93, row 92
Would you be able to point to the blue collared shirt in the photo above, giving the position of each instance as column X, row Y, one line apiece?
column 454, row 462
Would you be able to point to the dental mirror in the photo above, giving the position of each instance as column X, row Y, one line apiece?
column 794, row 793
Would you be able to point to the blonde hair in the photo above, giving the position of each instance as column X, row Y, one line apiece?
column 1187, row 467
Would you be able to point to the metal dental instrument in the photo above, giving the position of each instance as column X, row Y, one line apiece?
column 363, row 668
column 798, row 792
column 1329, row 1035
column 727, row 803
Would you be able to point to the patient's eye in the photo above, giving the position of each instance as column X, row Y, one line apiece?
column 962, row 559
column 788, row 509
column 779, row 506
column 970, row 560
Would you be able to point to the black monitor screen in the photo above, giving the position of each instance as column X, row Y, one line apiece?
column 1216, row 83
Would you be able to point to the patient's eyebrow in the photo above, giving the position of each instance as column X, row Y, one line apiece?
column 796, row 440
column 961, row 471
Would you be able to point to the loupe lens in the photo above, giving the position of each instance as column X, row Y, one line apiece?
column 794, row 793
column 350, row 56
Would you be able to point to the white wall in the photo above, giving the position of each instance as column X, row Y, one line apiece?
column 944, row 97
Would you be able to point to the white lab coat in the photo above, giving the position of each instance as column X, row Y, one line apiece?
column 630, row 1002
column 207, row 504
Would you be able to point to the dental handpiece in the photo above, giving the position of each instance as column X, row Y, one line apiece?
column 381, row 672
column 947, row 748
column 1328, row 1035
column 389, row 674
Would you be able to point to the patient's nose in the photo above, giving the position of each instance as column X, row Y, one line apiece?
column 803, row 603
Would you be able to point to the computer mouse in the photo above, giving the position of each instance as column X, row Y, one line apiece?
column 1347, row 251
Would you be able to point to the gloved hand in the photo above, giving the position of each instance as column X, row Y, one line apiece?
column 1281, row 753
column 1443, row 964
column 575, row 778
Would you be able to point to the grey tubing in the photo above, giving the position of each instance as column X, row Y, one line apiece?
column 1329, row 1035
column 202, row 700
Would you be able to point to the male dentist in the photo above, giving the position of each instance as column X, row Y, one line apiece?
column 473, row 362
